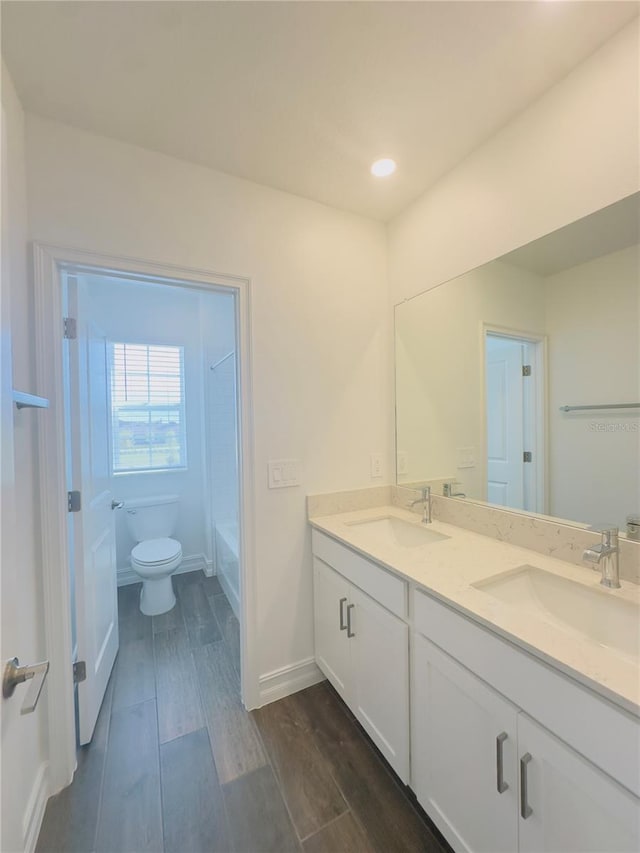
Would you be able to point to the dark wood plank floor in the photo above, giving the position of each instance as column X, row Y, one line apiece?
column 176, row 763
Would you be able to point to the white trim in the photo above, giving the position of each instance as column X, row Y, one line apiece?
column 192, row 563
column 230, row 592
column 34, row 812
column 289, row 679
column 48, row 260
column 209, row 568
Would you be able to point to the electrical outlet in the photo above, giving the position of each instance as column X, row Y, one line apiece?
column 402, row 462
column 376, row 466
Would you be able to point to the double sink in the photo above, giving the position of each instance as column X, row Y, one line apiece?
column 579, row 609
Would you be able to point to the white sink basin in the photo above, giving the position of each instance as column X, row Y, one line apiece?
column 396, row 531
column 597, row 614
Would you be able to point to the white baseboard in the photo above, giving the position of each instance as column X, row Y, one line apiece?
column 126, row 575
column 209, row 568
column 34, row 813
column 232, row 595
column 288, row 679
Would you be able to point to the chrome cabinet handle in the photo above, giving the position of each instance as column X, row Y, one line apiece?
column 501, row 785
column 350, row 633
column 343, row 626
column 15, row 674
column 525, row 809
column 117, row 504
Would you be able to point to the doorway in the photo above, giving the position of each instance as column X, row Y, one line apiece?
column 152, row 449
column 104, row 444
column 514, row 420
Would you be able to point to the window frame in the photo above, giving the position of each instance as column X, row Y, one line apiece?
column 148, row 408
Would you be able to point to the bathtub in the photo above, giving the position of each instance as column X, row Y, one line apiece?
column 225, row 536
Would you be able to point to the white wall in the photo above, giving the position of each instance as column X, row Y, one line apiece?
column 594, row 352
column 320, row 324
column 572, row 152
column 132, row 312
column 24, row 738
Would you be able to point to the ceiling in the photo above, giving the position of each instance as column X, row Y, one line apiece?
column 302, row 96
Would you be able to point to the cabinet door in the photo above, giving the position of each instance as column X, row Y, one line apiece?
column 380, row 660
column 333, row 652
column 462, row 730
column 572, row 806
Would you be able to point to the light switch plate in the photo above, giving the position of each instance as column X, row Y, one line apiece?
column 283, row 473
column 466, row 457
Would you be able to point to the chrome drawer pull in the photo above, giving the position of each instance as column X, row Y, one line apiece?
column 350, row 633
column 343, row 626
column 501, row 785
column 525, row 809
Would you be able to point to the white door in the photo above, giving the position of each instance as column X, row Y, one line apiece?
column 333, row 652
column 570, row 805
column 505, row 422
column 380, row 661
column 464, row 754
column 94, row 538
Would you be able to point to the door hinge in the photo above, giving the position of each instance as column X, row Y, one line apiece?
column 79, row 671
column 527, row 456
column 526, row 370
column 70, row 328
column 74, row 501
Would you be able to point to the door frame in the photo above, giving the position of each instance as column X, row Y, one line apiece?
column 48, row 262
column 540, row 395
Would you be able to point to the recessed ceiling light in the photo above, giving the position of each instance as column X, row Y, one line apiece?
column 383, row 168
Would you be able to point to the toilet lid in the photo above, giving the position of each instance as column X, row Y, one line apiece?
column 156, row 551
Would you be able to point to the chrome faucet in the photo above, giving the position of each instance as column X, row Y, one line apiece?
column 606, row 555
column 425, row 500
column 448, row 490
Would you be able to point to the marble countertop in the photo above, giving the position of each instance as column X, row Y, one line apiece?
column 447, row 569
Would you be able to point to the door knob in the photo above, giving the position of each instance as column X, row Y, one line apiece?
column 117, row 504
column 15, row 674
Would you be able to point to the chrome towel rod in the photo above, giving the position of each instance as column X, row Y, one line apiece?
column 223, row 359
column 605, row 406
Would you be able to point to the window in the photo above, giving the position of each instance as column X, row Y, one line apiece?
column 147, row 407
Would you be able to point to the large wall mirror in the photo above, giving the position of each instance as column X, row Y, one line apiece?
column 518, row 383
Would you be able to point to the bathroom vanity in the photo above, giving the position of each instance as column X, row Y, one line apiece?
column 501, row 685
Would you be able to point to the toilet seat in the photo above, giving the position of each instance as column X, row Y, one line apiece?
column 156, row 552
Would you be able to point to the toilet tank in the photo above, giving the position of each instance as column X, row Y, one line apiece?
column 151, row 518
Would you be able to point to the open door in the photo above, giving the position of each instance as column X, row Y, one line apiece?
column 505, row 422
column 93, row 538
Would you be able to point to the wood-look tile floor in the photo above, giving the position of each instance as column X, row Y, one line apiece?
column 177, row 764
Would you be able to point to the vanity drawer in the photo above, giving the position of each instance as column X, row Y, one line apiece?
column 601, row 731
column 383, row 586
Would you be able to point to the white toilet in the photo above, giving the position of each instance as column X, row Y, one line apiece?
column 151, row 521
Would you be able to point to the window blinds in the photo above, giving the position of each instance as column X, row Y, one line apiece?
column 147, row 405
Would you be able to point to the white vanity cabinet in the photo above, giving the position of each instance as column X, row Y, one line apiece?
column 491, row 777
column 333, row 653
column 572, row 806
column 464, row 755
column 363, row 648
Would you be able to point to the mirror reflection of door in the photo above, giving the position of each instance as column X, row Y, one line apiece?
column 512, row 422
